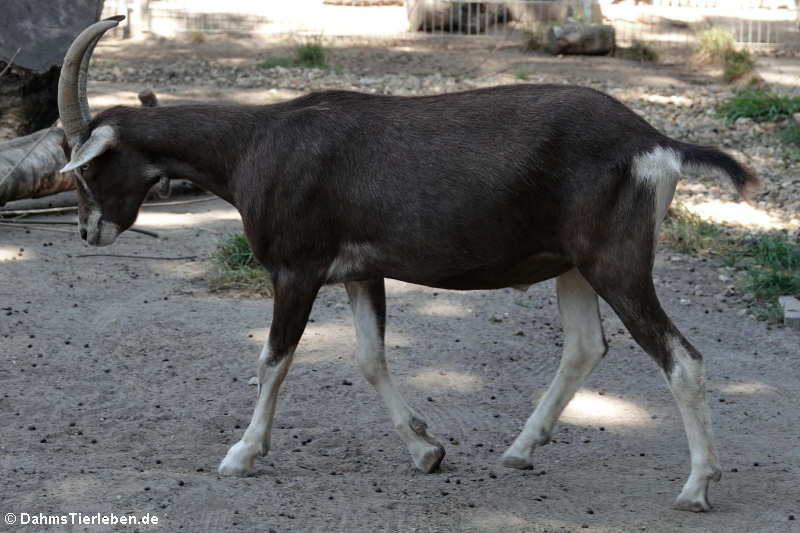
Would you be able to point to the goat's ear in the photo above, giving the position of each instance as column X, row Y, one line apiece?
column 98, row 142
column 163, row 187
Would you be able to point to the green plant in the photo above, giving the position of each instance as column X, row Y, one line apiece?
column 533, row 39
column 235, row 267
column 775, row 252
column 736, row 64
column 769, row 266
column 790, row 136
column 687, row 232
column 772, row 269
column 759, row 105
column 767, row 285
column 712, row 45
column 197, row 37
column 521, row 75
column 638, row 51
column 310, row 53
column 276, row 61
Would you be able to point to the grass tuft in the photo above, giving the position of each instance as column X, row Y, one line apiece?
column 197, row 37
column 533, row 39
column 769, row 267
column 276, row 61
column 717, row 46
column 688, row 233
column 776, row 252
column 767, row 285
column 790, row 136
column 236, row 268
column 638, row 51
column 759, row 105
column 712, row 45
column 737, row 64
column 308, row 54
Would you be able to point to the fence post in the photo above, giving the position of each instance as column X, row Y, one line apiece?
column 587, row 10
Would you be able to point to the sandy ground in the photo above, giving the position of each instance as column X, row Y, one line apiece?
column 123, row 382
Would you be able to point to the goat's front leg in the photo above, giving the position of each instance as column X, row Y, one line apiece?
column 368, row 301
column 292, row 303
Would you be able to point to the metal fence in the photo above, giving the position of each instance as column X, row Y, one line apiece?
column 663, row 23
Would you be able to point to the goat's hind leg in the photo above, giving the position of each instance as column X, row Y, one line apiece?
column 368, row 301
column 633, row 297
column 291, row 307
column 584, row 347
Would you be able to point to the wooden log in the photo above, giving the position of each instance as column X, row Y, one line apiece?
column 29, row 166
column 27, row 101
column 579, row 38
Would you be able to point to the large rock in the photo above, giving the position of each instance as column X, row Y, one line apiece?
column 580, row 38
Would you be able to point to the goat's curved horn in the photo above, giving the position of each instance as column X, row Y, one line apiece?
column 73, row 106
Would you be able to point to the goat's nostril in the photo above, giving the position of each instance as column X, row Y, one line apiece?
column 83, row 233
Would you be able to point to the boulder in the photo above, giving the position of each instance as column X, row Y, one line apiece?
column 580, row 38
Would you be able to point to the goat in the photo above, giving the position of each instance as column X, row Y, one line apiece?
column 483, row 189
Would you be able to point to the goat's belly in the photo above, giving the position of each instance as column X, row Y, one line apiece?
column 532, row 269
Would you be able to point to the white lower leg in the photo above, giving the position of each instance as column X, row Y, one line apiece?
column 426, row 452
column 584, row 347
column 255, row 441
column 687, row 382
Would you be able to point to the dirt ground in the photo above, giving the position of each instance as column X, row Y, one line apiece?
column 123, row 382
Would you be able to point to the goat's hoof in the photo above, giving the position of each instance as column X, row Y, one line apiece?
column 239, row 460
column 694, row 496
column 512, row 460
column 697, row 506
column 429, row 459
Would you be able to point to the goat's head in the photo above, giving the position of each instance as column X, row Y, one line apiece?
column 112, row 181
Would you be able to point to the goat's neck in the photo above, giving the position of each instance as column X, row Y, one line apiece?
column 201, row 144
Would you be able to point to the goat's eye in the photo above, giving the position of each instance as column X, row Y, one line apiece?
column 84, row 168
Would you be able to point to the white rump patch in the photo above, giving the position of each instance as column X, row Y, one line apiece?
column 656, row 166
column 660, row 169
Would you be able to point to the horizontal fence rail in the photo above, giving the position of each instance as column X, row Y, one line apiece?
column 664, row 23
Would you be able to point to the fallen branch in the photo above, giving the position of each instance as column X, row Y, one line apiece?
column 72, row 208
column 184, row 258
column 29, row 224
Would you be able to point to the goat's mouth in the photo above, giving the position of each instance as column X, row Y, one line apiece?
column 99, row 232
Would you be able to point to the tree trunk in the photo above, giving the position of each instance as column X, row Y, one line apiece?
column 27, row 101
column 34, row 35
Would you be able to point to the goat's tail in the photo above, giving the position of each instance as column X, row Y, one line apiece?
column 744, row 178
